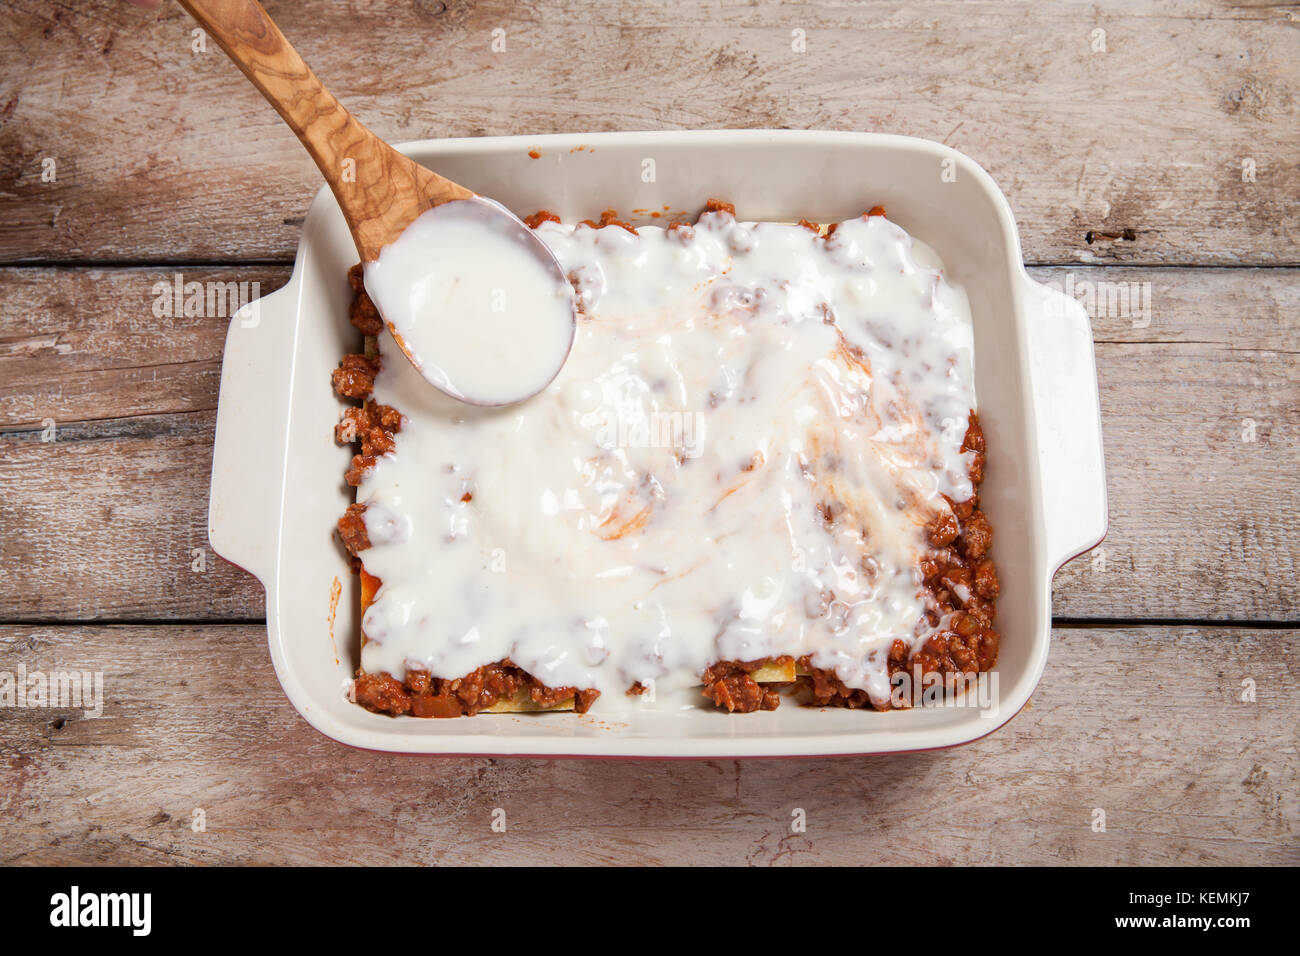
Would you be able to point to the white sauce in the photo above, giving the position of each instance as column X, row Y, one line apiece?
column 480, row 313
column 659, row 507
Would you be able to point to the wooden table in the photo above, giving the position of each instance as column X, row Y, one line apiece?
column 1138, row 142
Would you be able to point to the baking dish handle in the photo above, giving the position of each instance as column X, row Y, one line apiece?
column 252, row 422
column 1067, row 409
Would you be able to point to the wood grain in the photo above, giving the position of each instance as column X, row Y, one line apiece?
column 1136, row 154
column 109, row 521
column 379, row 190
column 1201, row 422
column 80, row 345
column 100, row 523
column 120, row 145
column 1186, row 772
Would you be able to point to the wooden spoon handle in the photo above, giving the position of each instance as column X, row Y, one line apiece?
column 379, row 190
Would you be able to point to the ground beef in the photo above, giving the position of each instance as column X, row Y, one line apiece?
column 352, row 529
column 961, row 585
column 423, row 695
column 382, row 693
column 986, row 580
column 539, row 217
column 355, row 376
column 607, row 218
column 363, row 313
column 976, row 536
column 729, row 685
column 873, row 211
column 365, row 316
column 944, row 530
column 371, row 424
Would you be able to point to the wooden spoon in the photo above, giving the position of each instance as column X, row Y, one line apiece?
column 379, row 190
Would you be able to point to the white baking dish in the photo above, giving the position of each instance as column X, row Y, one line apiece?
column 277, row 486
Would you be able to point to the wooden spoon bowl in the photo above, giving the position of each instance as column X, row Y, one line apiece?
column 379, row 190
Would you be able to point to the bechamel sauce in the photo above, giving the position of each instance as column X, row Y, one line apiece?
column 480, row 314
column 661, row 505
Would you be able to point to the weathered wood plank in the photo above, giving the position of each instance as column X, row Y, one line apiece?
column 161, row 152
column 1144, row 724
column 106, row 423
column 1201, row 419
column 100, row 523
column 109, row 521
column 84, row 344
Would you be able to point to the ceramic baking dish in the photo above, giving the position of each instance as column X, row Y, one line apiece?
column 277, row 487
